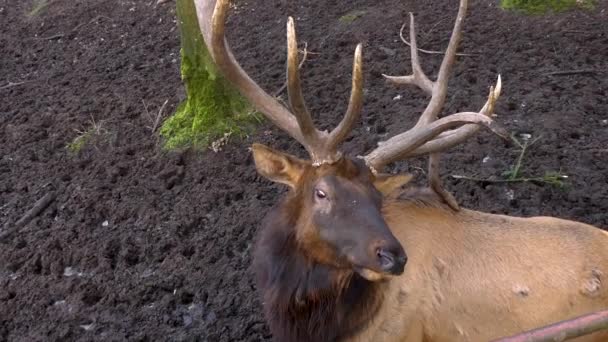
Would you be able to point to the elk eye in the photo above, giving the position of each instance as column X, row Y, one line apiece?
column 320, row 194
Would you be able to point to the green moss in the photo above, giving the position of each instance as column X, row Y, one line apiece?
column 38, row 6
column 351, row 16
column 544, row 6
column 79, row 142
column 212, row 107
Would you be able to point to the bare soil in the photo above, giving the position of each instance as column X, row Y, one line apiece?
column 142, row 244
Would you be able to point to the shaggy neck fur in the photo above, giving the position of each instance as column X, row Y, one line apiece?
column 306, row 301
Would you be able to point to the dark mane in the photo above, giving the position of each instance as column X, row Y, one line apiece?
column 306, row 301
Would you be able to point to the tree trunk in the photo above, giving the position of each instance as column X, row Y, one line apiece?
column 213, row 109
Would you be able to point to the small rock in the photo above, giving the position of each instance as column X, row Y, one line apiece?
column 105, row 223
column 211, row 317
column 147, row 273
column 387, row 51
column 187, row 320
column 525, row 136
column 485, row 159
column 397, row 98
column 69, row 271
column 88, row 327
column 510, row 194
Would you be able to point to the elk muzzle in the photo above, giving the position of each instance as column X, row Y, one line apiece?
column 392, row 259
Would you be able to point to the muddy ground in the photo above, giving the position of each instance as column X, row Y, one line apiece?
column 140, row 244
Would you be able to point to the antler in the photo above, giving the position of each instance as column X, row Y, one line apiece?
column 321, row 145
column 429, row 135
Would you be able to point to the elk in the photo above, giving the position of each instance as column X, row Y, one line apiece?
column 354, row 254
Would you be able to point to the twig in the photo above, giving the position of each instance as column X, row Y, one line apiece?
column 432, row 29
column 13, row 84
column 156, row 121
column 578, row 31
column 38, row 208
column 564, row 330
column 573, row 72
column 74, row 30
column 159, row 115
column 305, row 52
column 597, row 150
column 55, row 36
column 429, row 52
column 508, row 180
column 146, row 109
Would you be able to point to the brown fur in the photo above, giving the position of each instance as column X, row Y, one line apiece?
column 471, row 276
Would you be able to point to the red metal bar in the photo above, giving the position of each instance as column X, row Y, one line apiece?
column 564, row 330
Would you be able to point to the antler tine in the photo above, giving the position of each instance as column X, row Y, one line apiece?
column 440, row 86
column 322, row 146
column 418, row 77
column 454, row 137
column 211, row 17
column 419, row 139
column 432, row 110
column 354, row 105
column 403, row 145
column 294, row 87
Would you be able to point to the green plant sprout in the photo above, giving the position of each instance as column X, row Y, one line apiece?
column 351, row 16
column 514, row 175
column 84, row 136
column 38, row 6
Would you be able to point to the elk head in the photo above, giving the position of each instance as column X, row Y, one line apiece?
column 339, row 199
column 338, row 211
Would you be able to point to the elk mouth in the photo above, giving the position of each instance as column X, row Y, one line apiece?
column 378, row 275
column 372, row 275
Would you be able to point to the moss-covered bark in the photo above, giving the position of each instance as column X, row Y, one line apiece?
column 543, row 6
column 212, row 108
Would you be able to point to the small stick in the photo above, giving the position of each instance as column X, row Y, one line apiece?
column 564, row 330
column 38, row 208
column 74, row 30
column 55, row 36
column 429, row 52
column 146, row 109
column 573, row 72
column 305, row 52
column 159, row 115
column 13, row 84
column 508, row 180
column 577, row 31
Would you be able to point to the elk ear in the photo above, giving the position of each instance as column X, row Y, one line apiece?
column 387, row 183
column 277, row 166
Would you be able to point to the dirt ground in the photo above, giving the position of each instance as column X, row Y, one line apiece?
column 144, row 245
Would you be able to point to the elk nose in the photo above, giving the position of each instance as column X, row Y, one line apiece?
column 392, row 260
